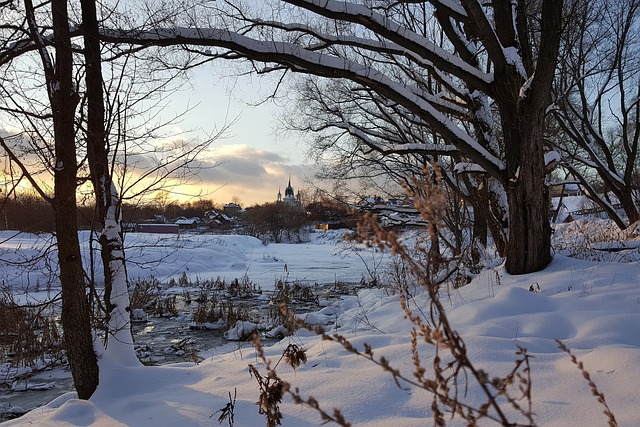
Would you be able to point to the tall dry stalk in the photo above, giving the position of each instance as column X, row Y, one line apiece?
column 449, row 372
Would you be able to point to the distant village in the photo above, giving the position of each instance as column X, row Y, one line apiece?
column 568, row 204
column 288, row 212
column 231, row 216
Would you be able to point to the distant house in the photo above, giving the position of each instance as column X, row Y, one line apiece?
column 187, row 223
column 370, row 201
column 157, row 219
column 128, row 227
column 571, row 190
column 217, row 219
column 231, row 209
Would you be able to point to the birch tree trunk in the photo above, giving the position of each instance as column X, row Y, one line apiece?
column 118, row 339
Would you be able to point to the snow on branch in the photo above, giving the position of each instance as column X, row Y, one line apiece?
column 380, row 46
column 432, row 149
column 303, row 60
column 402, row 36
column 464, row 167
column 383, row 146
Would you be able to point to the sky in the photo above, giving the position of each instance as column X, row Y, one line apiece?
column 255, row 158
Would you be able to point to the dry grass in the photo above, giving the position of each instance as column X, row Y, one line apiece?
column 592, row 386
column 449, row 372
column 29, row 334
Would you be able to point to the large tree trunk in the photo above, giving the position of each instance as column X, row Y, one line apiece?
column 529, row 244
column 529, row 247
column 522, row 106
column 76, row 319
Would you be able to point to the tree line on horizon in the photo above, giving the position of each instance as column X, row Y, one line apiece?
column 28, row 212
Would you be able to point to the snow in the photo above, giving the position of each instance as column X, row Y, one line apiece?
column 198, row 255
column 513, row 57
column 119, row 344
column 592, row 306
column 524, row 90
column 465, row 167
column 551, row 157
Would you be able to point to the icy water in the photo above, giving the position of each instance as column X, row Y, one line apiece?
column 163, row 340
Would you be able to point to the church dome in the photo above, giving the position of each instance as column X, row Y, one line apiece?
column 288, row 192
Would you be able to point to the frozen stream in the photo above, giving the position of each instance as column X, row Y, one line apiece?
column 163, row 340
column 325, row 259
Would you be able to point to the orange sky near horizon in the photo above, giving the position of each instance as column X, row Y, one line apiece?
column 253, row 160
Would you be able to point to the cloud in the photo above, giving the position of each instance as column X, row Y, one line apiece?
column 222, row 173
column 253, row 175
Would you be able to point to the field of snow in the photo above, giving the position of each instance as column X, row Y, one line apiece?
column 324, row 259
column 592, row 306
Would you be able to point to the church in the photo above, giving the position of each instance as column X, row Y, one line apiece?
column 289, row 197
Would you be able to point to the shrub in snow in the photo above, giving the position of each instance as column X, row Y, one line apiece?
column 138, row 314
column 319, row 318
column 278, row 332
column 241, row 331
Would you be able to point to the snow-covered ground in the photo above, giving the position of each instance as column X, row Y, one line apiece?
column 324, row 259
column 592, row 306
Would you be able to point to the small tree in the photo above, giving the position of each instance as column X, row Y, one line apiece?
column 275, row 221
column 596, row 104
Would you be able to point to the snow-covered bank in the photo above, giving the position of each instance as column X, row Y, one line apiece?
column 593, row 307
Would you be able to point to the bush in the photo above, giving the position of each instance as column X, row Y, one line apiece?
column 29, row 335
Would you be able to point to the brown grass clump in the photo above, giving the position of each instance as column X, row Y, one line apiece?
column 29, row 334
column 273, row 388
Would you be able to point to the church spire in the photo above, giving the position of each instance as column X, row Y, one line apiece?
column 290, row 197
column 288, row 192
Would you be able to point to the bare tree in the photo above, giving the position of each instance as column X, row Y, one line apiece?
column 275, row 221
column 597, row 104
column 119, row 341
column 491, row 60
column 63, row 99
column 359, row 136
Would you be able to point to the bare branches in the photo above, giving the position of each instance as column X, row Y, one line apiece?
column 26, row 172
column 600, row 129
column 307, row 60
column 402, row 36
